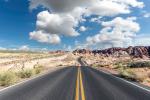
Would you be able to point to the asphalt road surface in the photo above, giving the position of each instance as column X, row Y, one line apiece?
column 58, row 85
column 101, row 86
column 75, row 83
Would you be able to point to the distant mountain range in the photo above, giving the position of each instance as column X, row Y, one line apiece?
column 137, row 51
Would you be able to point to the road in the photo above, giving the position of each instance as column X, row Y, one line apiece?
column 75, row 83
column 58, row 85
column 101, row 86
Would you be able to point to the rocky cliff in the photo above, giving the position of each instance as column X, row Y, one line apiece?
column 137, row 51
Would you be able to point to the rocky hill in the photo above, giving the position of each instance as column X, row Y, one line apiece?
column 137, row 51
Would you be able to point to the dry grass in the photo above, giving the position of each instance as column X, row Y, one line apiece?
column 98, row 65
column 25, row 73
column 128, row 68
column 128, row 74
column 141, row 77
column 132, row 75
column 139, row 64
column 38, row 69
column 8, row 78
column 15, row 66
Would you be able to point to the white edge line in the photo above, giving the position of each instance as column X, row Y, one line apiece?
column 29, row 79
column 125, row 80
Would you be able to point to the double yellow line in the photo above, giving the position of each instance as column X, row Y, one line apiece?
column 79, row 86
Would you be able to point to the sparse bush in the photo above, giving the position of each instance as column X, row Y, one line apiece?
column 27, row 73
column 60, row 64
column 38, row 69
column 8, row 78
column 141, row 77
column 128, row 74
column 93, row 65
column 102, row 65
column 118, row 65
column 148, row 75
column 98, row 65
column 139, row 64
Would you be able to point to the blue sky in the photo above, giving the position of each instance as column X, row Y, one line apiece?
column 18, row 19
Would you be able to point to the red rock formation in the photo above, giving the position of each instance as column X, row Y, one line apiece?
column 137, row 51
column 82, row 51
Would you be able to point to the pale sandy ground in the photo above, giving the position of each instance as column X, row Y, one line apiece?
column 16, row 61
column 50, row 62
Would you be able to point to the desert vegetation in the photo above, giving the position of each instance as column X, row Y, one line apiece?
column 8, row 78
column 137, row 71
column 11, row 77
column 133, row 69
column 17, row 66
column 139, row 64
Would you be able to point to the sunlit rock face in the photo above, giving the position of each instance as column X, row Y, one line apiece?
column 137, row 51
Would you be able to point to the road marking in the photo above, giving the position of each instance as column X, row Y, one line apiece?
column 125, row 80
column 79, row 87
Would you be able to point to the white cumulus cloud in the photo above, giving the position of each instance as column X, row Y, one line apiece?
column 97, row 6
column 65, row 15
column 44, row 37
column 118, row 32
column 24, row 48
column 83, row 28
column 147, row 15
column 96, row 19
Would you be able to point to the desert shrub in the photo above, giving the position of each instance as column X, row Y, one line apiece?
column 8, row 78
column 139, row 64
column 93, row 65
column 128, row 74
column 118, row 65
column 148, row 75
column 140, row 77
column 98, row 65
column 38, row 69
column 60, row 65
column 27, row 73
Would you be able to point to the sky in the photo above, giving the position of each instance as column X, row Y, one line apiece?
column 72, row 24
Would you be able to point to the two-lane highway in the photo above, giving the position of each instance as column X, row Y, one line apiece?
column 75, row 83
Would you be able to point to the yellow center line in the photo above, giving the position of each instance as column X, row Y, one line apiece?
column 82, row 89
column 79, row 85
